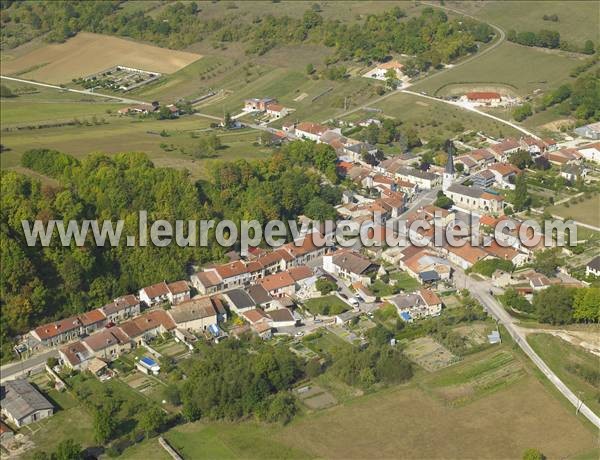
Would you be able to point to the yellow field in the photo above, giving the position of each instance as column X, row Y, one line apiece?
column 88, row 53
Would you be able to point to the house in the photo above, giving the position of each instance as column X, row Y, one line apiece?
column 309, row 130
column 155, row 294
column 57, row 332
column 304, row 278
column 219, row 308
column 107, row 344
column 563, row 156
column 22, row 404
column 572, row 172
column 504, row 174
column 425, row 265
column 255, row 316
column 239, row 301
column 194, row 315
column 260, row 296
column 147, row 326
column 483, row 97
column 364, row 292
column 503, row 149
column 506, row 253
column 475, row 199
column 350, row 266
column 304, row 249
column 142, row 109
column 257, row 105
column 345, row 317
column 466, row 256
column 539, row 282
column 424, row 179
column 121, row 308
column 92, row 320
column 281, row 317
column 276, row 110
column 533, row 145
column 590, row 152
column 75, row 355
column 380, row 72
column 354, row 151
column 179, row 291
column 416, row 305
column 206, row 282
column 591, row 131
column 279, row 284
column 593, row 267
column 483, row 179
column 5, row 432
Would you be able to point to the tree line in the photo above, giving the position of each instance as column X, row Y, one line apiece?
column 432, row 37
column 548, row 39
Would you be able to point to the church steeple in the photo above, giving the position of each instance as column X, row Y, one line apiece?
column 448, row 176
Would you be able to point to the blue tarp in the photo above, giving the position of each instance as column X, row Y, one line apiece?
column 214, row 330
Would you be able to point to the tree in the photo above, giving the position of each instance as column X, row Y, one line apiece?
column 227, row 121
column 547, row 261
column 521, row 159
column 310, row 69
column 521, row 198
column 325, row 286
column 281, row 408
column 68, row 450
column 104, row 424
column 522, row 112
column 587, row 305
column 391, row 78
column 443, row 201
column 554, row 304
column 5, row 91
column 164, row 113
column 533, row 454
column 152, row 420
column 313, row 368
column 588, row 47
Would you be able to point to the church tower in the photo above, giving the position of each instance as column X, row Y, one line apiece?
column 448, row 177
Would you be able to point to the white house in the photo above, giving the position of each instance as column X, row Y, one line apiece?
column 593, row 267
column 194, row 315
column 591, row 152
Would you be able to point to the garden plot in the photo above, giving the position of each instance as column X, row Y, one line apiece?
column 314, row 397
column 429, row 354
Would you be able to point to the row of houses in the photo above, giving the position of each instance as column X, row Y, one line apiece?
column 268, row 105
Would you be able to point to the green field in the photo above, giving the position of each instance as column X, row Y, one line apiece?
column 324, row 342
column 435, row 119
column 126, row 134
column 578, row 20
column 560, row 356
column 585, row 211
column 522, row 68
column 19, row 112
column 327, row 305
column 392, row 421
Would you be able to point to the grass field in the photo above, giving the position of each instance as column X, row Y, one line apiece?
column 410, row 421
column 585, row 211
column 436, row 119
column 324, row 342
column 133, row 135
column 88, row 53
column 578, row 20
column 560, row 355
column 327, row 305
column 19, row 111
column 519, row 67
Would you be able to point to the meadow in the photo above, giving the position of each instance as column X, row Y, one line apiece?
column 523, row 69
column 88, row 53
column 514, row 398
column 585, row 211
column 167, row 143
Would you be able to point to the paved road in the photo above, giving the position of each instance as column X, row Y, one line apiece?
column 472, row 109
column 19, row 368
column 87, row 92
column 480, row 290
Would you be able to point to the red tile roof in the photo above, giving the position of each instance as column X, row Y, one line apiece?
column 430, row 297
column 50, row 330
column 178, row 287
column 482, row 95
column 157, row 290
column 277, row 281
column 254, row 316
column 92, row 317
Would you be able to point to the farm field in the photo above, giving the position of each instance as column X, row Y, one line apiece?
column 20, row 111
column 562, row 357
column 348, row 430
column 523, row 69
column 88, row 53
column 133, row 135
column 585, row 211
column 435, row 119
column 577, row 19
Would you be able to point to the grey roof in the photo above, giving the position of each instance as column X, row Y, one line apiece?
column 192, row 310
column 259, row 294
column 352, row 262
column 430, row 275
column 21, row 399
column 283, row 314
column 473, row 192
column 594, row 264
column 357, row 148
column 407, row 300
column 240, row 298
column 416, row 173
column 450, row 163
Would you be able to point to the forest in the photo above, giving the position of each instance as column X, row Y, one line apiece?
column 38, row 283
column 432, row 37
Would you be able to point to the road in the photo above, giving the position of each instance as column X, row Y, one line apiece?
column 481, row 291
column 87, row 92
column 19, row 368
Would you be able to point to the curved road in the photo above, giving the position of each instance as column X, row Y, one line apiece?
column 481, row 291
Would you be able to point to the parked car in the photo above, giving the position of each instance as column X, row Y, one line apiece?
column 299, row 333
